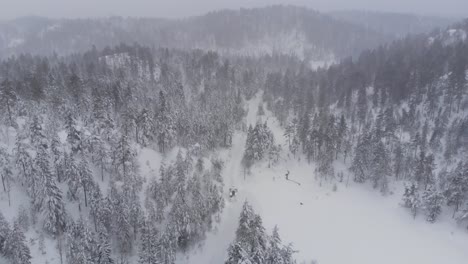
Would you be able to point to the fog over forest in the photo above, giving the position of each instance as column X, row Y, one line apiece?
column 183, row 8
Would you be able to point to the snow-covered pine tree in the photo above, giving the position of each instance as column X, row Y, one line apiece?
column 6, row 171
column 341, row 136
column 237, row 255
column 165, row 131
column 53, row 207
column 4, row 232
column 199, row 213
column 259, row 141
column 274, row 253
column 180, row 218
column 8, row 100
column 432, row 201
column 290, row 132
column 24, row 161
column 398, row 161
column 380, row 167
column 251, row 234
column 124, row 162
column 58, row 158
column 167, row 246
column 274, row 155
column 121, row 223
column 136, row 214
column 86, row 179
column 362, row 158
column 281, row 253
column 252, row 245
column 15, row 247
column 74, row 135
column 258, row 240
column 411, row 198
column 456, row 186
column 144, row 127
column 103, row 250
column 100, row 154
column 73, row 177
column 77, row 250
column 362, row 105
column 147, row 253
column 420, row 170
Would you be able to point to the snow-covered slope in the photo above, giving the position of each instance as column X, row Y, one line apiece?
column 352, row 224
column 293, row 43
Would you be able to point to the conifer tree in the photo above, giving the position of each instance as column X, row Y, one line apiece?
column 456, row 186
column 15, row 247
column 8, row 99
column 411, row 198
column 432, row 201
column 149, row 245
column 74, row 135
column 4, row 232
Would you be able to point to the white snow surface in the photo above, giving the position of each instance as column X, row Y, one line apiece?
column 355, row 224
column 15, row 42
column 452, row 36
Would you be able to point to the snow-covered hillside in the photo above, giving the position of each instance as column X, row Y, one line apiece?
column 282, row 30
column 293, row 43
column 348, row 223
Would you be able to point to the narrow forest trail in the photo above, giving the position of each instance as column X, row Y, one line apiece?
column 214, row 248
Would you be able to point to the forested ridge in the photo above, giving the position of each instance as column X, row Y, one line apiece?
column 258, row 31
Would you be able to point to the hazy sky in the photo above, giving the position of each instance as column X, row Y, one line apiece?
column 181, row 8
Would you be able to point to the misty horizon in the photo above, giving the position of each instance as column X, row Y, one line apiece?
column 180, row 9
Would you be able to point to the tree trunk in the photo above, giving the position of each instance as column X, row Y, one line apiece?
column 102, row 170
column 9, row 112
column 95, row 221
column 136, row 134
column 3, row 182
column 455, row 210
column 24, row 171
column 59, row 247
column 58, row 174
column 85, row 195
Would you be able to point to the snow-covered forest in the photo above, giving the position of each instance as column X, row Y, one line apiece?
column 275, row 135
